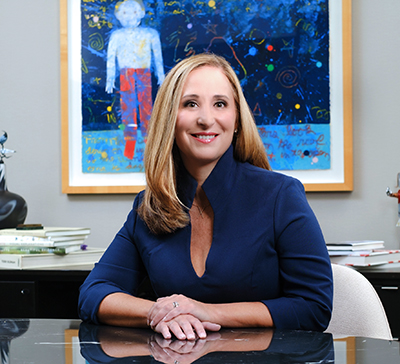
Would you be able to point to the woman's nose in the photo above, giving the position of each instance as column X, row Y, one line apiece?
column 205, row 117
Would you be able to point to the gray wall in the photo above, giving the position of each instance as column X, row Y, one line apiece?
column 30, row 113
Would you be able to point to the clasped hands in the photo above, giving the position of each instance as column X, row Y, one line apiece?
column 181, row 316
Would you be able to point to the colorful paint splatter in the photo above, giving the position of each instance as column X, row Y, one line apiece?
column 278, row 48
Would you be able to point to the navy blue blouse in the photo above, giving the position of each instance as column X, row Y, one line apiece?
column 267, row 246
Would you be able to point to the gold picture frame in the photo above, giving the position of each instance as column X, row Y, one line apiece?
column 338, row 178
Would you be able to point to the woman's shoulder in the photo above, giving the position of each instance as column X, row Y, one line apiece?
column 267, row 176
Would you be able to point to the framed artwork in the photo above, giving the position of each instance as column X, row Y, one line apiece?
column 293, row 59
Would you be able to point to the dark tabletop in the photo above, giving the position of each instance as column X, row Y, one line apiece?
column 71, row 342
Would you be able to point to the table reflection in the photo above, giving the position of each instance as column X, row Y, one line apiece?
column 10, row 329
column 107, row 344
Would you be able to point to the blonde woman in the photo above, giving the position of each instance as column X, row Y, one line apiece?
column 224, row 241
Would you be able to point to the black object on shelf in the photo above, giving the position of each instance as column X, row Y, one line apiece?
column 13, row 208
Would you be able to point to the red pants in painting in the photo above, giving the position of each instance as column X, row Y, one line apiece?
column 135, row 89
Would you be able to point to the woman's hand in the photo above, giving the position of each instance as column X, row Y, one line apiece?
column 167, row 308
column 185, row 327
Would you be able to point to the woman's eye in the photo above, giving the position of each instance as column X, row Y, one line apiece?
column 190, row 104
column 220, row 104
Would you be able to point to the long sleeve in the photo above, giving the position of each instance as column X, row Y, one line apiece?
column 119, row 270
column 304, row 265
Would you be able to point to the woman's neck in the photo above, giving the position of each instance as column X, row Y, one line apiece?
column 200, row 173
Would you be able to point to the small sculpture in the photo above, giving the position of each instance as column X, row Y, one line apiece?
column 4, row 151
column 396, row 195
column 13, row 208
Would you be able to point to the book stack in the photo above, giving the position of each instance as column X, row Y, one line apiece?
column 38, row 247
column 364, row 253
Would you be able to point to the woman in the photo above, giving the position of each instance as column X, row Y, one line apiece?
column 224, row 241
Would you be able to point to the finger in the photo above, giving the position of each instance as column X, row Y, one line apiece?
column 158, row 309
column 175, row 312
column 187, row 327
column 167, row 312
column 181, row 305
column 163, row 329
column 211, row 326
column 198, row 327
column 176, row 329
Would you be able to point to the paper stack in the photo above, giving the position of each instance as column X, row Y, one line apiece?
column 45, row 246
column 363, row 253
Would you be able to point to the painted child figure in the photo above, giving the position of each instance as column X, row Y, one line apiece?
column 133, row 47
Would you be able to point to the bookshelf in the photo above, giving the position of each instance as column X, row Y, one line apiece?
column 41, row 293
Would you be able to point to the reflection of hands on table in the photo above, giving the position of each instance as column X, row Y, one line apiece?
column 181, row 351
column 114, row 342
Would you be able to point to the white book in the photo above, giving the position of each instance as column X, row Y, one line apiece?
column 46, row 231
column 368, row 258
column 356, row 245
column 32, row 261
column 6, row 240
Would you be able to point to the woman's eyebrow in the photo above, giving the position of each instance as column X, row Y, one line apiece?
column 190, row 96
column 218, row 96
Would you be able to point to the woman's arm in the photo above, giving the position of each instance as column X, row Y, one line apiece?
column 241, row 314
column 238, row 314
column 122, row 309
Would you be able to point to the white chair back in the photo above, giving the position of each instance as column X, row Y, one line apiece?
column 357, row 308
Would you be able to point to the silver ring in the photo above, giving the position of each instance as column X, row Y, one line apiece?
column 176, row 304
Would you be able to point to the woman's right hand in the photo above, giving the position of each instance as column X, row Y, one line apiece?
column 185, row 327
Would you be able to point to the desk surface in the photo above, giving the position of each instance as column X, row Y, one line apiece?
column 68, row 341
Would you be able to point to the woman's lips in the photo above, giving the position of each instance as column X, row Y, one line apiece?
column 205, row 138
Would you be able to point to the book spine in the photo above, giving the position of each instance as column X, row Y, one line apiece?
column 31, row 250
column 10, row 261
column 43, row 243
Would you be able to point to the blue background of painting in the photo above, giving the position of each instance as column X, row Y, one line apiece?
column 278, row 48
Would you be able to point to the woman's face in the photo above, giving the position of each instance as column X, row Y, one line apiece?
column 206, row 117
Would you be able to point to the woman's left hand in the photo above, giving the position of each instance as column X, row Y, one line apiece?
column 167, row 308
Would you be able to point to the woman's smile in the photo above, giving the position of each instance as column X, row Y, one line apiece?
column 205, row 137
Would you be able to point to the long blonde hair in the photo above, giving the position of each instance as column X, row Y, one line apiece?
column 161, row 208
